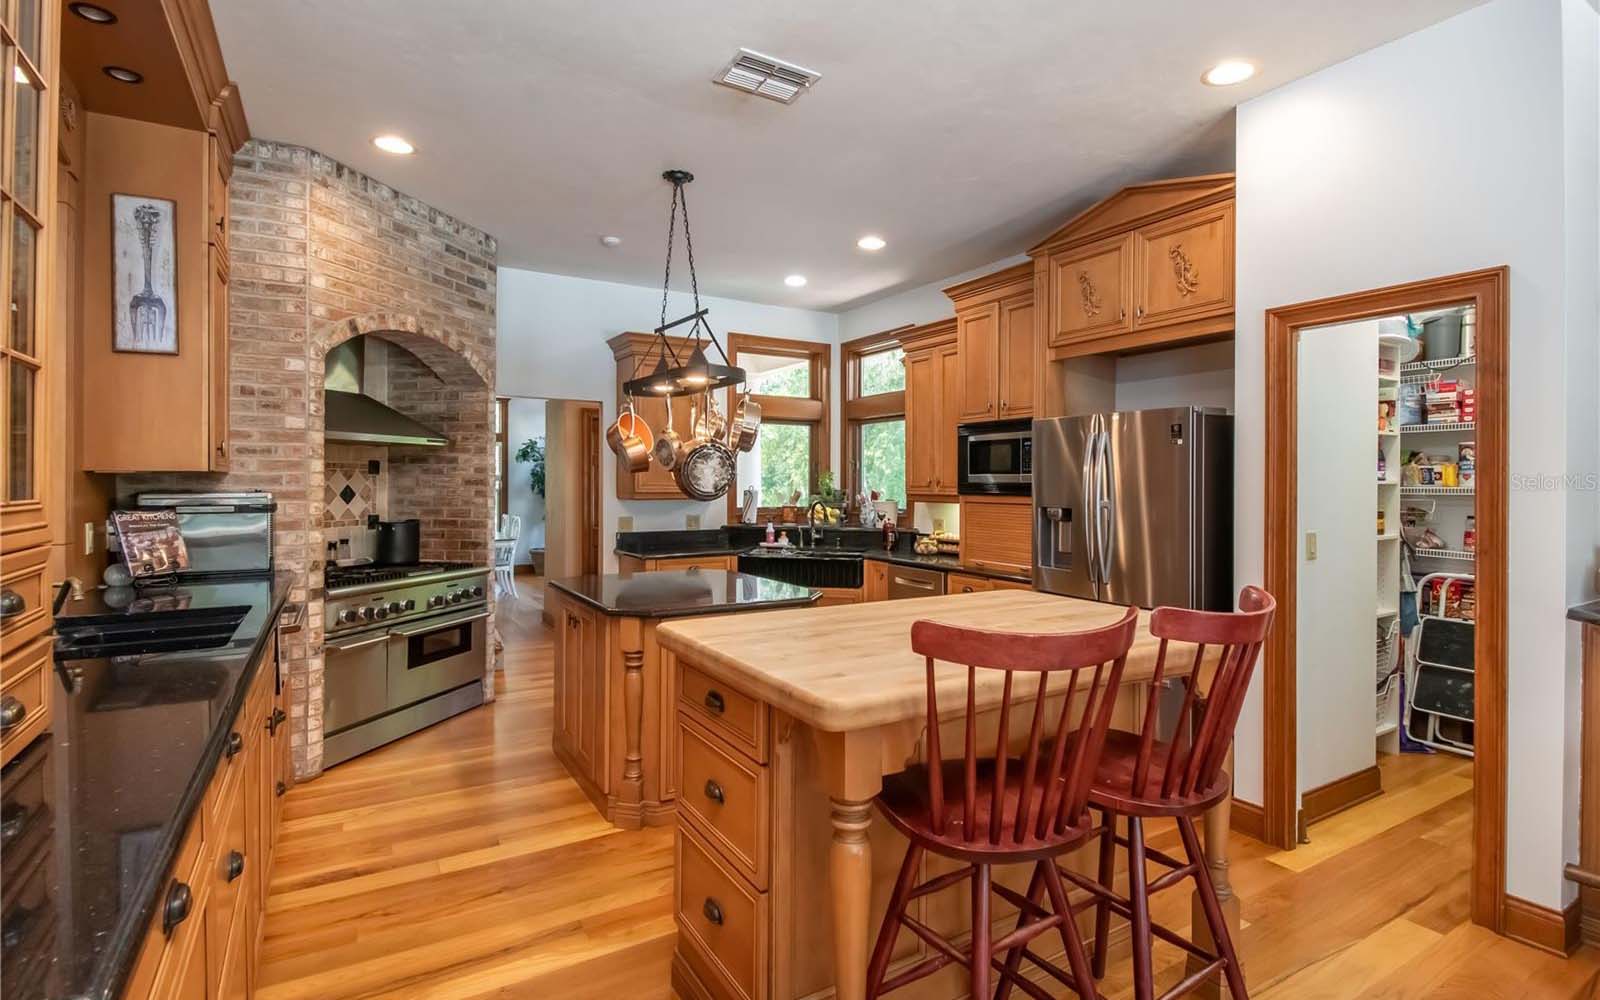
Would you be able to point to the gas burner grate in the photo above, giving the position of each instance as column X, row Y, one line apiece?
column 336, row 577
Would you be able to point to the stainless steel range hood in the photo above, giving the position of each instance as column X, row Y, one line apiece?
column 355, row 378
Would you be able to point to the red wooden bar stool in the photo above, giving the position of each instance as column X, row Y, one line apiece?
column 1002, row 809
column 1143, row 777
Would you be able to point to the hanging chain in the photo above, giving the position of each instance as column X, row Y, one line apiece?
column 688, row 244
column 672, row 223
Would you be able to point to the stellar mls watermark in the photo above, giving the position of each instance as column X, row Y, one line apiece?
column 1566, row 482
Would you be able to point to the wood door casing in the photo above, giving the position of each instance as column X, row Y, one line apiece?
column 1092, row 291
column 1184, row 266
column 589, row 489
column 978, row 340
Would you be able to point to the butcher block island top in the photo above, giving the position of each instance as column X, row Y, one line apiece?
column 851, row 666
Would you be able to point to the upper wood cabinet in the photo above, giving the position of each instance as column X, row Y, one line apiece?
column 933, row 391
column 1150, row 266
column 995, row 335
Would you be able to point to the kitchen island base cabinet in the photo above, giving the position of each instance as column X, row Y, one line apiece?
column 780, row 898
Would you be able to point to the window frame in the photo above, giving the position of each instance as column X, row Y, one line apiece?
column 858, row 410
column 811, row 410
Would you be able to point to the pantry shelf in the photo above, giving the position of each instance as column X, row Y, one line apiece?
column 1391, row 537
column 1450, row 428
column 1413, row 372
column 1436, row 491
column 1454, row 555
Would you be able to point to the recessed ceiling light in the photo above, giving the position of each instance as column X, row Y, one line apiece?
column 795, row 281
column 89, row 12
column 871, row 243
column 123, row 74
column 1228, row 72
column 611, row 241
column 394, row 144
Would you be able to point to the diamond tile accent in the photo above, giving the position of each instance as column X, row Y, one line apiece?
column 347, row 494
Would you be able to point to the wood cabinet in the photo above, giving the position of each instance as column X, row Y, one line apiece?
column 875, row 581
column 627, row 563
column 1151, row 266
column 997, row 533
column 580, row 689
column 934, row 378
column 223, row 867
column 995, row 336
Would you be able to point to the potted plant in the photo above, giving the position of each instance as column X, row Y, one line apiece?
column 532, row 453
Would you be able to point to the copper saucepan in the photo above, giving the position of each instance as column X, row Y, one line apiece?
column 668, row 446
column 630, row 438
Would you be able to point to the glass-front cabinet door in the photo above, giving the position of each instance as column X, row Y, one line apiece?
column 26, row 115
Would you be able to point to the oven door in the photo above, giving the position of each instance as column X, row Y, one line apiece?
column 431, row 657
column 355, row 679
column 995, row 460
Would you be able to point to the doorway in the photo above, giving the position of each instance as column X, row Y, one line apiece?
column 547, row 487
column 1318, row 550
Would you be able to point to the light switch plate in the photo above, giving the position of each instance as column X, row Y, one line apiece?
column 1311, row 546
column 88, row 538
column 691, row 522
column 624, row 523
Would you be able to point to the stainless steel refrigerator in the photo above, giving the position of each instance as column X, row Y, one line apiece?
column 1135, row 507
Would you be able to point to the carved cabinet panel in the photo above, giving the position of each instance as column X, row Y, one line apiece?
column 1185, row 266
column 1091, row 291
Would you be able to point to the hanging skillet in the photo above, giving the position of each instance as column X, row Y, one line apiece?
column 706, row 471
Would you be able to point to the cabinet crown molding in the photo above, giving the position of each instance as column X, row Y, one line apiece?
column 1009, row 281
column 1134, row 206
column 929, row 335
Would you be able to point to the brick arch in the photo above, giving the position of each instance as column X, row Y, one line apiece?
column 466, row 417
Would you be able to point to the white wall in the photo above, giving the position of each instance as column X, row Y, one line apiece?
column 552, row 343
column 1338, row 397
column 525, row 419
column 1441, row 152
column 1184, row 376
column 923, row 304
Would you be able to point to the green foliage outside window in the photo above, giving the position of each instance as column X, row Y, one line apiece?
column 785, row 454
column 882, row 372
column 883, row 459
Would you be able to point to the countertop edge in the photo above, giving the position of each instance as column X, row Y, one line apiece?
column 127, row 938
column 876, row 555
column 813, row 595
column 1588, row 613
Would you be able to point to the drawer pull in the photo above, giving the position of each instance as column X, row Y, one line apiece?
column 13, row 818
column 235, row 865
column 12, row 712
column 176, row 908
column 275, row 720
column 713, row 911
column 17, row 924
column 715, row 793
column 280, row 789
column 11, row 604
column 714, row 702
column 235, row 745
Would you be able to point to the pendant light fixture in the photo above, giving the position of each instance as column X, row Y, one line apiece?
column 696, row 371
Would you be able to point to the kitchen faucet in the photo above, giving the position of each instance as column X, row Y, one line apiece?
column 811, row 519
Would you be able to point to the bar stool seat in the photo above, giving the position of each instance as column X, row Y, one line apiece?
column 1114, row 780
column 905, row 804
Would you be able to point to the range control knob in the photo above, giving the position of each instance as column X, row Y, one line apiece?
column 436, row 601
column 382, row 612
column 348, row 616
column 455, row 597
column 411, row 605
column 477, row 591
column 367, row 613
column 395, row 607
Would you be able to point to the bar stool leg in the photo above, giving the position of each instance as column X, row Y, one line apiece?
column 1231, row 970
column 1139, row 905
column 982, row 933
column 1077, row 961
column 890, row 930
column 1102, row 908
column 1002, row 990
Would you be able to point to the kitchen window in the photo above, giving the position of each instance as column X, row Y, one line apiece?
column 789, row 379
column 875, row 416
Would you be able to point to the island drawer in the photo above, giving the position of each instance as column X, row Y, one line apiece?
column 24, row 697
column 721, row 920
column 729, row 713
column 726, row 798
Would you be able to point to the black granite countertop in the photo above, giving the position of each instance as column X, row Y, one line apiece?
column 675, row 594
column 735, row 540
column 1588, row 613
column 133, row 744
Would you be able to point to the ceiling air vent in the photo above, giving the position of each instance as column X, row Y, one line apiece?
column 766, row 77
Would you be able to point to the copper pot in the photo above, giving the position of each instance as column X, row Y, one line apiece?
column 746, row 424
column 630, row 438
column 668, row 446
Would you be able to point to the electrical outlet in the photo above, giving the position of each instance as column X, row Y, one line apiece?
column 691, row 522
column 1311, row 546
column 88, row 538
column 938, row 524
column 624, row 523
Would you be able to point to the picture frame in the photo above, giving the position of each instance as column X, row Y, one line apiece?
column 144, row 274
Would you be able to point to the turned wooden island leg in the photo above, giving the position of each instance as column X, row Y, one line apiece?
column 1214, row 833
column 629, row 811
column 850, row 878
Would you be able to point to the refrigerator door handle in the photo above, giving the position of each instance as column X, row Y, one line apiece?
column 1108, row 503
column 1091, row 557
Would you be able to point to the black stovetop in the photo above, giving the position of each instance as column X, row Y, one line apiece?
column 338, row 577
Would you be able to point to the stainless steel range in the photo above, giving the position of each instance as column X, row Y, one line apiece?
column 406, row 647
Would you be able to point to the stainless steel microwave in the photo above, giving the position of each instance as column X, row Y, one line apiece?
column 995, row 457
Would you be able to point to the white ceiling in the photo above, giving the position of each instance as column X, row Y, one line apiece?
column 958, row 130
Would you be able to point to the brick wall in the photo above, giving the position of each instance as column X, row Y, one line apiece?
column 321, row 253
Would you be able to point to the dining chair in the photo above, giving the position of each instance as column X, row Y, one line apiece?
column 505, row 554
column 985, row 809
column 1143, row 776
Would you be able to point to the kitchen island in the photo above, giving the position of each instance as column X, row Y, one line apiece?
column 787, row 723
column 614, row 695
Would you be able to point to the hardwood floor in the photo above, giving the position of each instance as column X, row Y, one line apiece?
column 462, row 862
